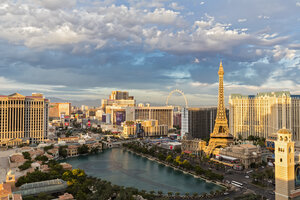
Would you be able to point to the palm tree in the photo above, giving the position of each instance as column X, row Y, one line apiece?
column 177, row 194
column 152, row 192
column 195, row 194
column 203, row 195
column 187, row 194
column 170, row 194
column 160, row 193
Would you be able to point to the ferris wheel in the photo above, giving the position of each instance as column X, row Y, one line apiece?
column 177, row 91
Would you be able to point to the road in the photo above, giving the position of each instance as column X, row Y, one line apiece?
column 248, row 186
column 4, row 165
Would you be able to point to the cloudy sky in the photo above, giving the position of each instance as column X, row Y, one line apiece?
column 83, row 49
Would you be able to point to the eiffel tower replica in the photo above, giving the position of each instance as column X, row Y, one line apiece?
column 221, row 136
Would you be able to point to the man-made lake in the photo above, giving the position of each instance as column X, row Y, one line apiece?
column 124, row 168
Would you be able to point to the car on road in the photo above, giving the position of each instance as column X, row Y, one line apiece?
column 247, row 177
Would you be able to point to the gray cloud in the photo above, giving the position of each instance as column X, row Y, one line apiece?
column 145, row 46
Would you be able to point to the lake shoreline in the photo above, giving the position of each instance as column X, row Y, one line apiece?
column 176, row 168
column 92, row 164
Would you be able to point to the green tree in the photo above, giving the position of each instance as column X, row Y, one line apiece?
column 186, row 164
column 48, row 147
column 41, row 158
column 74, row 176
column 81, row 195
column 161, row 156
column 195, row 194
column 44, row 196
column 29, row 198
column 169, row 159
column 25, row 165
column 26, row 155
column 170, row 194
column 62, row 151
column 83, row 149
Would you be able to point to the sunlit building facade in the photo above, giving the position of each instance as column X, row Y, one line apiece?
column 284, row 165
column 58, row 110
column 150, row 128
column 264, row 114
column 163, row 114
column 23, row 118
column 119, row 99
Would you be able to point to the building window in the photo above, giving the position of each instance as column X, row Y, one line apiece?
column 280, row 159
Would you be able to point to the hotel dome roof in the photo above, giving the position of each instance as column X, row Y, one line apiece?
column 284, row 131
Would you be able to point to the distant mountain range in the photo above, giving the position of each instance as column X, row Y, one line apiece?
column 87, row 102
column 91, row 102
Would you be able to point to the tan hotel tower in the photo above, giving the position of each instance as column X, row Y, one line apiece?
column 23, row 118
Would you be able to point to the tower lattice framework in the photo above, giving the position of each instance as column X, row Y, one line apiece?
column 220, row 137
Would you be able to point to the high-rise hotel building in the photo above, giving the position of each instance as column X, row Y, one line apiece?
column 264, row 114
column 23, row 118
column 117, row 98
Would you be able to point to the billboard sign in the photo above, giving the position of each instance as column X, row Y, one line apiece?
column 103, row 118
column 120, row 117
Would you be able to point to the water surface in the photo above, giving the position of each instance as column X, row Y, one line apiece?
column 127, row 169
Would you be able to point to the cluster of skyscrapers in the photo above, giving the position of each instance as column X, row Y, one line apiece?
column 121, row 109
column 25, row 118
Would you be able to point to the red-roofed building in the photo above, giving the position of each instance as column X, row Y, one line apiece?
column 66, row 196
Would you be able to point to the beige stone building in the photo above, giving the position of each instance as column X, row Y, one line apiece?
column 56, row 110
column 72, row 150
column 150, row 128
column 163, row 114
column 153, row 129
column 245, row 153
column 129, row 129
column 264, row 114
column 193, row 146
column 117, row 98
column 23, row 117
column 69, row 139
